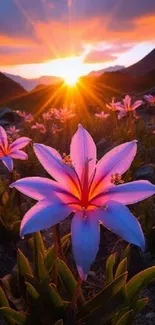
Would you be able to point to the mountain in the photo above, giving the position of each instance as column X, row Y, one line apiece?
column 142, row 67
column 9, row 89
column 30, row 84
column 109, row 69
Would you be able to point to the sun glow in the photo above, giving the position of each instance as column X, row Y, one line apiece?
column 71, row 80
column 70, row 69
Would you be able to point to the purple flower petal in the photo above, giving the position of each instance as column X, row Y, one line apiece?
column 19, row 154
column 118, row 160
column 19, row 143
column 8, row 162
column 3, row 137
column 83, row 150
column 39, row 188
column 54, row 165
column 117, row 217
column 85, row 241
column 43, row 215
column 128, row 193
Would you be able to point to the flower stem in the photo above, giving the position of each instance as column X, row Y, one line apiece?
column 77, row 293
column 57, row 241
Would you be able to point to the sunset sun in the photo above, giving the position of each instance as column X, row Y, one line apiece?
column 71, row 79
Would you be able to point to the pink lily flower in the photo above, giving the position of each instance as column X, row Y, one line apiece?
column 102, row 115
column 47, row 116
column 40, row 127
column 55, row 129
column 85, row 188
column 13, row 132
column 63, row 114
column 127, row 106
column 27, row 117
column 150, row 99
column 8, row 152
column 113, row 105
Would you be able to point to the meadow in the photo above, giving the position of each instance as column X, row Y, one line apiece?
column 72, row 252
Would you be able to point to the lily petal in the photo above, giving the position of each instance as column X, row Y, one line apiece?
column 43, row 215
column 3, row 138
column 85, row 241
column 39, row 188
column 117, row 160
column 54, row 165
column 8, row 162
column 128, row 193
column 19, row 143
column 122, row 222
column 83, row 151
column 19, row 154
column 137, row 104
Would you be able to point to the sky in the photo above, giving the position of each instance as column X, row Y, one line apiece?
column 60, row 37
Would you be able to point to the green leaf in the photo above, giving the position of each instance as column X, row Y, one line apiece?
column 55, row 298
column 24, row 267
column 139, row 282
column 51, row 255
column 106, row 310
column 140, row 304
column 3, row 299
column 126, row 319
column 39, row 244
column 50, row 258
column 104, row 296
column 127, row 252
column 109, row 268
column 67, row 279
column 5, row 198
column 15, row 316
column 122, row 267
column 32, row 291
column 40, row 268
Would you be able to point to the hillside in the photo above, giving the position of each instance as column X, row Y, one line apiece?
column 9, row 89
column 30, row 84
column 143, row 66
column 91, row 91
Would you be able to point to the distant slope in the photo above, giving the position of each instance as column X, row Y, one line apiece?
column 144, row 66
column 30, row 84
column 109, row 69
column 9, row 89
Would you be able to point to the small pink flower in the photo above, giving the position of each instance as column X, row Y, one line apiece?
column 150, row 99
column 40, row 127
column 63, row 114
column 102, row 115
column 13, row 132
column 27, row 117
column 113, row 106
column 10, row 151
column 21, row 113
column 55, row 129
column 47, row 116
column 127, row 106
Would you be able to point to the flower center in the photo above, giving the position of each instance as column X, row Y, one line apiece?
column 85, row 186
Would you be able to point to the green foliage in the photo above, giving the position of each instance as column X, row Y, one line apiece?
column 47, row 293
column 109, row 268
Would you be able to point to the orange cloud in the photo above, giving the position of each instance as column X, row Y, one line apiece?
column 56, row 39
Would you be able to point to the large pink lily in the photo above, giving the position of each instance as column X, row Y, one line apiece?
column 8, row 152
column 85, row 188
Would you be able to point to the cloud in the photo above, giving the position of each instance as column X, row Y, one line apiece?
column 41, row 30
